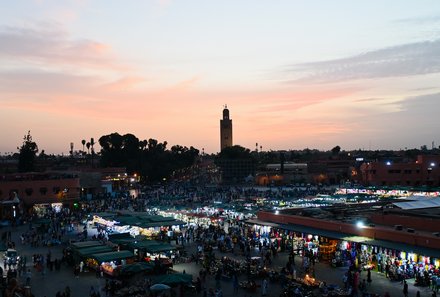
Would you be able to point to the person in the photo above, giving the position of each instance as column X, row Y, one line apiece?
column 264, row 288
column 92, row 292
column 369, row 277
column 13, row 289
column 28, row 277
column 405, row 288
column 363, row 286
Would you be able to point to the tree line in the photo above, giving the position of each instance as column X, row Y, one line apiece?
column 149, row 158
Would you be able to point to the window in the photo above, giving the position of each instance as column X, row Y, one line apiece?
column 29, row 191
column 43, row 190
column 56, row 190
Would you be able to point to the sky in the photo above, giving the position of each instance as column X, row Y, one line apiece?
column 294, row 74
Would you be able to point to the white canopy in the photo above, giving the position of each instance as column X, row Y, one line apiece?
column 418, row 204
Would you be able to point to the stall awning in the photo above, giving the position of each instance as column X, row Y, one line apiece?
column 364, row 240
column 420, row 250
column 123, row 241
column 84, row 244
column 112, row 256
column 314, row 231
column 85, row 252
column 137, row 267
column 119, row 236
column 152, row 246
column 419, row 204
column 262, row 223
column 174, row 279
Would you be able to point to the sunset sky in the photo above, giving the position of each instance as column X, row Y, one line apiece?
column 294, row 74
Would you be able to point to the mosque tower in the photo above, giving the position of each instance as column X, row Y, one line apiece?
column 225, row 130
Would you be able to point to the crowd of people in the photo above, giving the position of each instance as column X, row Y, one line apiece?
column 227, row 250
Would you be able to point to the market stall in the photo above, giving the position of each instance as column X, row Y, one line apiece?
column 109, row 261
column 174, row 279
column 85, row 253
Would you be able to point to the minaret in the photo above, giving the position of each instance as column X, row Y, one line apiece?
column 225, row 129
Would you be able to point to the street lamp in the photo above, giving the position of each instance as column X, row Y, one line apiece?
column 360, row 224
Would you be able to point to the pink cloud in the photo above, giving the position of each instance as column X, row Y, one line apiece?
column 49, row 44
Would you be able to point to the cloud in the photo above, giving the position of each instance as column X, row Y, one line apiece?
column 410, row 59
column 419, row 20
column 49, row 45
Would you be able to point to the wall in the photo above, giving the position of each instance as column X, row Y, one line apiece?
column 380, row 233
column 417, row 223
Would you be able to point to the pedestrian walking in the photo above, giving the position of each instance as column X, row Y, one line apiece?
column 28, row 277
column 264, row 288
column 369, row 277
column 405, row 288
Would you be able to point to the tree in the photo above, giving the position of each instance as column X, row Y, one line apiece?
column 236, row 163
column 27, row 153
column 83, row 143
column 336, row 150
column 149, row 158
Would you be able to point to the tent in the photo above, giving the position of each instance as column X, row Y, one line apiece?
column 419, row 204
column 130, row 269
column 112, row 256
column 84, row 244
column 85, row 252
column 152, row 246
column 174, row 279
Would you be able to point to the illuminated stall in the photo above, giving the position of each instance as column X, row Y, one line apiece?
column 109, row 261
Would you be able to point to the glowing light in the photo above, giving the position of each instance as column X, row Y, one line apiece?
column 360, row 224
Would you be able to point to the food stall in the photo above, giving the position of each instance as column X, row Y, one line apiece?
column 109, row 261
column 150, row 250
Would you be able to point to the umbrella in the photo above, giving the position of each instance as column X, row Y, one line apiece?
column 159, row 287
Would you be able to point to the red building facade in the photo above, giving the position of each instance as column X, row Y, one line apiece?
column 422, row 172
column 39, row 188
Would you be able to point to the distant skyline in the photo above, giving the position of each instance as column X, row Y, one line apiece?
column 294, row 74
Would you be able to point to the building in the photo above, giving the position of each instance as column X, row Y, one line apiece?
column 393, row 227
column 225, row 130
column 40, row 188
column 422, row 172
column 285, row 173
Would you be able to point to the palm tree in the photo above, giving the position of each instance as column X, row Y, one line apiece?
column 92, row 142
column 83, row 143
column 88, row 144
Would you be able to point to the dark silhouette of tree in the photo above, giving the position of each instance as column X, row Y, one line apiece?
column 92, row 143
column 149, row 158
column 27, row 153
column 336, row 150
column 83, row 143
column 236, row 163
column 235, row 152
